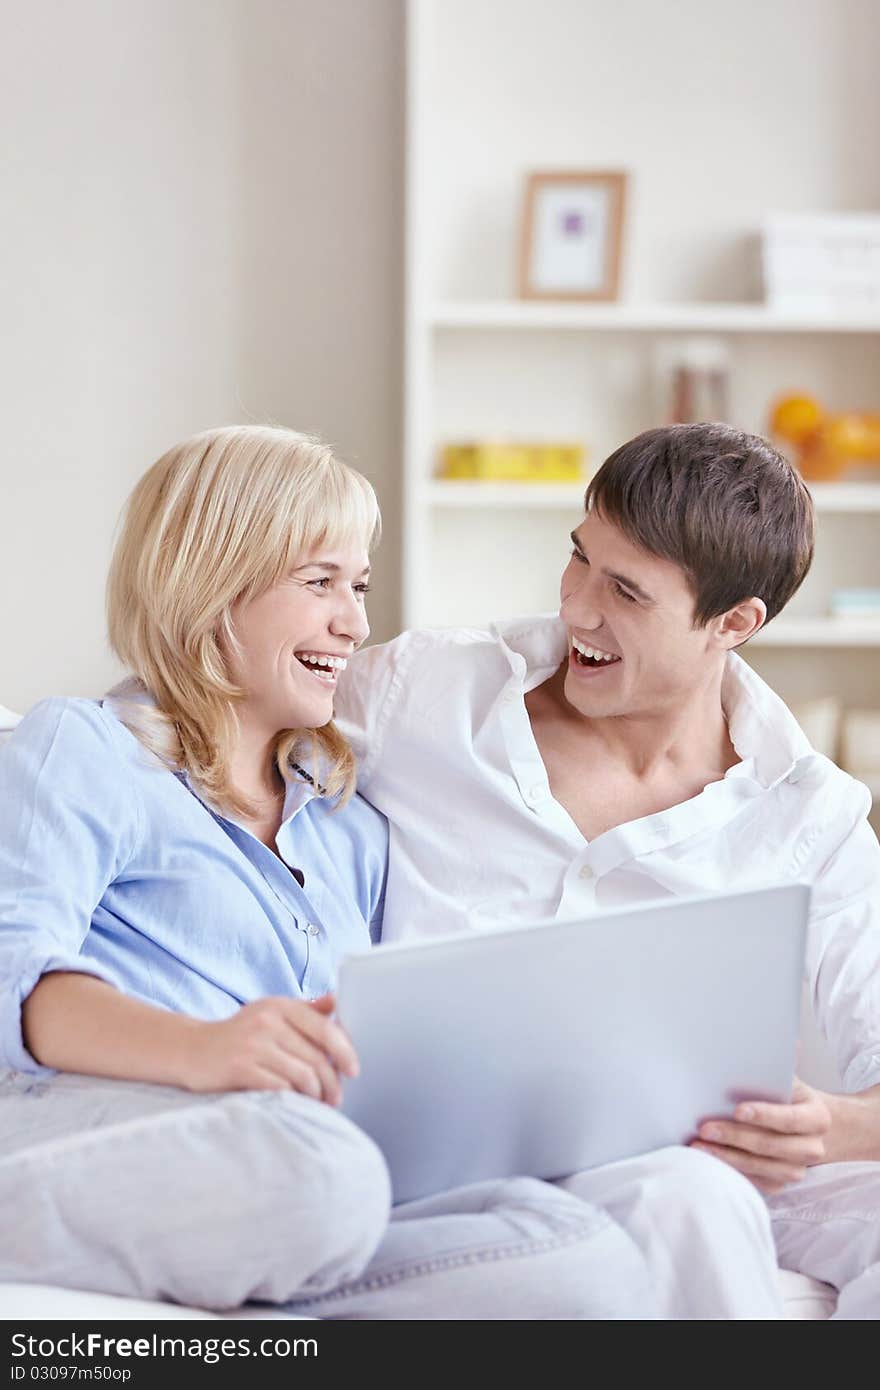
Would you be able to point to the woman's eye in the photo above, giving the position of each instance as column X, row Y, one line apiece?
column 622, row 593
column 576, row 555
column 362, row 589
column 323, row 583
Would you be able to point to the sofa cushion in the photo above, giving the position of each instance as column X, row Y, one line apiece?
column 803, row 1298
column 44, row 1302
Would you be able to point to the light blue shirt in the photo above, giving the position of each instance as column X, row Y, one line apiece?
column 111, row 865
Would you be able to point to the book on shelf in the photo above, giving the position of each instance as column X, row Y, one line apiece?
column 512, row 462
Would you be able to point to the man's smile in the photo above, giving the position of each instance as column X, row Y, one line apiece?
column 591, row 657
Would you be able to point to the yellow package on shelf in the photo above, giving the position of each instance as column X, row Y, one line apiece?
column 513, row 463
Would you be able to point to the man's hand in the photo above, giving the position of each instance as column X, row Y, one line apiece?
column 772, row 1145
column 274, row 1044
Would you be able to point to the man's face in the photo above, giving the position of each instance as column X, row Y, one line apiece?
column 618, row 601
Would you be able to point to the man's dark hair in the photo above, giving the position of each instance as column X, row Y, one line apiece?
column 724, row 506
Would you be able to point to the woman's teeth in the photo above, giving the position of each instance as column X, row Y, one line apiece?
column 323, row 666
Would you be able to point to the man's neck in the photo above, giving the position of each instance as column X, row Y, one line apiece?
column 611, row 770
column 689, row 733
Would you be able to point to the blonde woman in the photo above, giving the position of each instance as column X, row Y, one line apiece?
column 181, row 866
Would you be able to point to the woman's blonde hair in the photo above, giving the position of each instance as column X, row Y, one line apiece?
column 222, row 517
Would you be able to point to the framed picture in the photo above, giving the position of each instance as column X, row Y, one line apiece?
column 571, row 235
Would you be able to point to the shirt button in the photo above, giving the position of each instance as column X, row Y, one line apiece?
column 312, row 929
column 537, row 791
column 510, row 696
column 585, row 871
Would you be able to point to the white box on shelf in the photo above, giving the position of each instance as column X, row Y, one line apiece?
column 822, row 263
column 860, row 743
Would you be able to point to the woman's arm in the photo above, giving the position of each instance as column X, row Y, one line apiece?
column 69, row 821
column 74, row 1022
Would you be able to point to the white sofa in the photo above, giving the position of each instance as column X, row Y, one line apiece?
column 803, row 1298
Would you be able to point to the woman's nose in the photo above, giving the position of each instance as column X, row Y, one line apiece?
column 350, row 620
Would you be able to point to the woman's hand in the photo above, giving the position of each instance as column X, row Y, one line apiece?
column 275, row 1044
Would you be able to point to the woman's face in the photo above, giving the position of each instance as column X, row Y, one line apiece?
column 296, row 637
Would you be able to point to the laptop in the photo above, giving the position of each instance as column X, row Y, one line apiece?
column 545, row 1050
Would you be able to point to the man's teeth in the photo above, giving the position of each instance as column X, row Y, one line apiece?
column 592, row 651
column 335, row 663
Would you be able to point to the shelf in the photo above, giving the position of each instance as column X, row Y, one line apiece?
column 846, row 497
column 828, row 497
column 644, row 318
column 547, row 496
column 820, row 632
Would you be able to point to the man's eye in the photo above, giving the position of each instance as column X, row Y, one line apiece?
column 576, row 555
column 622, row 593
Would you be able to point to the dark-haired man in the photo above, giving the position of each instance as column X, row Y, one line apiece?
column 622, row 753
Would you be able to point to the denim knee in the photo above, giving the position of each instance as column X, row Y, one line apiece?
column 580, row 1265
column 508, row 1250
column 209, row 1203
column 344, row 1180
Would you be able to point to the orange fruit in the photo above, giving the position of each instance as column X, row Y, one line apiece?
column 796, row 418
column 854, row 436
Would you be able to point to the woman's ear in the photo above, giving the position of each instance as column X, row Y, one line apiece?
column 738, row 624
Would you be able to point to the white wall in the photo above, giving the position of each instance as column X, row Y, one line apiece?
column 199, row 224
column 116, row 280
column 320, row 260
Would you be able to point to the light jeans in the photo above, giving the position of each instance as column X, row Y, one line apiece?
column 213, row 1200
column 828, row 1226
column 703, row 1232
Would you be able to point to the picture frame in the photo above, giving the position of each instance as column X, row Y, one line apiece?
column 572, row 233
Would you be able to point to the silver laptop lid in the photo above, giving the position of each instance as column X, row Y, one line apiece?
column 545, row 1050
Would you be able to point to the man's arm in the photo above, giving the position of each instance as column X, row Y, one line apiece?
column 855, row 1127
column 774, row 1145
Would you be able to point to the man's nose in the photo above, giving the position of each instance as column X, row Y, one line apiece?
column 579, row 606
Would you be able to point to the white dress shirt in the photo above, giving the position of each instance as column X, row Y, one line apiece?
column 446, row 750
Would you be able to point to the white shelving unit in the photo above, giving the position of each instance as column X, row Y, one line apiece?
column 857, row 498
column 644, row 318
column 482, row 365
column 820, row 632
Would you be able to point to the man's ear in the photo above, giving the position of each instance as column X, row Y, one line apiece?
column 738, row 624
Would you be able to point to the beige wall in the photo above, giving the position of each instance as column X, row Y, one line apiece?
column 201, row 223
column 320, row 342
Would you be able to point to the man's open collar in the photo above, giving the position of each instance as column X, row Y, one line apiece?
column 763, row 730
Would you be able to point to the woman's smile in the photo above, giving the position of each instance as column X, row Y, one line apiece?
column 323, row 665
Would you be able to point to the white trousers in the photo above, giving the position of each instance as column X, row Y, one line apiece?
column 703, row 1229
column 828, row 1226
column 704, row 1234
